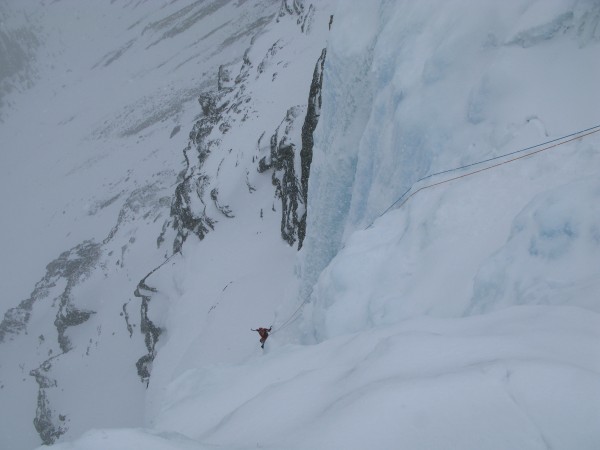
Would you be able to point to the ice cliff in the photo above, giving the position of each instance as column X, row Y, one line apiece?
column 442, row 90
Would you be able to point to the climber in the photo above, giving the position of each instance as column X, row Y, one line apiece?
column 264, row 334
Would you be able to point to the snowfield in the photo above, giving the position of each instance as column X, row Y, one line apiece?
column 525, row 377
column 446, row 294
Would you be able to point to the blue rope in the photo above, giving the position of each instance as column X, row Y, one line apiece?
column 292, row 318
column 480, row 162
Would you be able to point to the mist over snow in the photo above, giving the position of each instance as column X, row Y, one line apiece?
column 407, row 192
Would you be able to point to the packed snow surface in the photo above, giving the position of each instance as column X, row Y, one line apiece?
column 466, row 317
column 504, row 380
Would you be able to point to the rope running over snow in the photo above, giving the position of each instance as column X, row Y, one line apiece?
column 404, row 197
column 578, row 135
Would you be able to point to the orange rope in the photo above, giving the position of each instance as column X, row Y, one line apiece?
column 496, row 165
column 292, row 316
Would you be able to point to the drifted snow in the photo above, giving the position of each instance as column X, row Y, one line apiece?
column 504, row 380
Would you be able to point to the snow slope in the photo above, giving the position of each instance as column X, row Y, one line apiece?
column 466, row 317
column 426, row 383
column 94, row 121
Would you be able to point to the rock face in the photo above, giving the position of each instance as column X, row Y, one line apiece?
column 151, row 332
column 73, row 303
column 213, row 159
column 297, row 8
column 62, row 275
column 57, row 306
column 291, row 168
column 310, row 123
column 196, row 206
column 45, row 421
column 148, row 328
column 189, row 216
column 284, row 162
column 70, row 267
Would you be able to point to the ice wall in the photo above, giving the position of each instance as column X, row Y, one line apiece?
column 347, row 100
column 414, row 88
